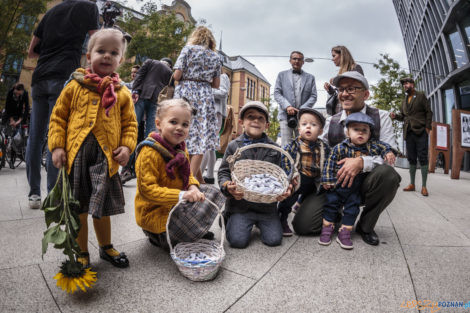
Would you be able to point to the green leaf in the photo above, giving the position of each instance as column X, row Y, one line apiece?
column 54, row 196
column 52, row 215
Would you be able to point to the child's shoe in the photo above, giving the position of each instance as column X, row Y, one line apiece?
column 286, row 231
column 344, row 239
column 326, row 233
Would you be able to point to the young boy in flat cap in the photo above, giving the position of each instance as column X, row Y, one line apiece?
column 309, row 154
column 358, row 143
column 242, row 215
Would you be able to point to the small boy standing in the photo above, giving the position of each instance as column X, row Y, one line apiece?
column 359, row 128
column 309, row 154
column 242, row 215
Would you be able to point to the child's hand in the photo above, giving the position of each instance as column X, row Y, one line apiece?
column 59, row 157
column 232, row 189
column 327, row 187
column 193, row 194
column 390, row 158
column 285, row 194
column 121, row 155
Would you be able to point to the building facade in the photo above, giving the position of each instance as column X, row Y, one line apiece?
column 436, row 34
column 246, row 84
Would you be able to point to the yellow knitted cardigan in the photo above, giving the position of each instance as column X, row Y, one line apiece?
column 156, row 192
column 78, row 111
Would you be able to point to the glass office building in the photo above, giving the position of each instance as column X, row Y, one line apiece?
column 437, row 41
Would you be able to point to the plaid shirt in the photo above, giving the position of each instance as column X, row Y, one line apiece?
column 346, row 150
column 306, row 157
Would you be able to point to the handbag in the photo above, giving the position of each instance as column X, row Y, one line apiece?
column 167, row 92
column 332, row 103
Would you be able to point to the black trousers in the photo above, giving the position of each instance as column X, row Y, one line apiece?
column 307, row 187
column 377, row 191
column 417, row 148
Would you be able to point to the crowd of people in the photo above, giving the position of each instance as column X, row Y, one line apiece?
column 345, row 160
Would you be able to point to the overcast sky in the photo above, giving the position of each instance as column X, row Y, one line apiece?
column 276, row 27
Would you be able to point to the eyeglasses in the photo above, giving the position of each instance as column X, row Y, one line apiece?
column 297, row 59
column 350, row 90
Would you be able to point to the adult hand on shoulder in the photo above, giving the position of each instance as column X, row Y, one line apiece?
column 392, row 115
column 59, row 157
column 326, row 86
column 121, row 155
column 351, row 167
column 193, row 194
column 390, row 158
column 232, row 189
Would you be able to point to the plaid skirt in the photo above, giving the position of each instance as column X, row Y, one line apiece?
column 98, row 194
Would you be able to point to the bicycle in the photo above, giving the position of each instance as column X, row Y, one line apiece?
column 14, row 142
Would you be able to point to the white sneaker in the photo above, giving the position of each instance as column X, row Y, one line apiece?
column 34, row 202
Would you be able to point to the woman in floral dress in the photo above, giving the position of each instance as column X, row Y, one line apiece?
column 197, row 71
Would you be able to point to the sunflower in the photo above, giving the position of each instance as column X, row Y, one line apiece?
column 73, row 275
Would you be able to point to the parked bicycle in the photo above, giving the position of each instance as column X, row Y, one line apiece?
column 14, row 145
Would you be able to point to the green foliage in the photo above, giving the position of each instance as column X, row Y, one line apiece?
column 60, row 211
column 274, row 126
column 156, row 36
column 388, row 93
column 17, row 19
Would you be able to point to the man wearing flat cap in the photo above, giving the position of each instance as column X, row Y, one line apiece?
column 416, row 114
column 382, row 181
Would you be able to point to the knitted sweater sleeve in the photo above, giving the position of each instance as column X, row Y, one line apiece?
column 150, row 170
column 60, row 118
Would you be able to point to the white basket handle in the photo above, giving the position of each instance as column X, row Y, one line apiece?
column 219, row 214
column 234, row 157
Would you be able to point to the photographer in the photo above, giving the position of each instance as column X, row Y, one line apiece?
column 294, row 89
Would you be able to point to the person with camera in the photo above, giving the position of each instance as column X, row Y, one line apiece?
column 294, row 89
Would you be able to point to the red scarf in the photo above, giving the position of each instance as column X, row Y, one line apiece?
column 179, row 160
column 105, row 87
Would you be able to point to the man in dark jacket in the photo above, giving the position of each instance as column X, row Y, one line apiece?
column 17, row 106
column 149, row 81
column 416, row 113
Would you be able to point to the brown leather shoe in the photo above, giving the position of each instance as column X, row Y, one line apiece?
column 424, row 191
column 410, row 187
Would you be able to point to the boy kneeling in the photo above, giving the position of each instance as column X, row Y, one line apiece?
column 242, row 214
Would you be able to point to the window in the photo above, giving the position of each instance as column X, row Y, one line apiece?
column 459, row 56
column 464, row 90
column 449, row 104
column 466, row 27
column 250, row 89
column 13, row 64
column 26, row 23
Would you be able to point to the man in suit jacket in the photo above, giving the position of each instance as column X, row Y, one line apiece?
column 149, row 81
column 416, row 113
column 294, row 89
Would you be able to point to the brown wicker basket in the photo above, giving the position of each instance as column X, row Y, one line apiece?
column 193, row 270
column 245, row 168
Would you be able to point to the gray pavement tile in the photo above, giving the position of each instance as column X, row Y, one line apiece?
column 23, row 289
column 10, row 208
column 23, row 241
column 313, row 278
column 440, row 273
column 418, row 223
column 152, row 283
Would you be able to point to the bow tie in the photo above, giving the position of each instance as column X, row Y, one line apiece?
column 296, row 72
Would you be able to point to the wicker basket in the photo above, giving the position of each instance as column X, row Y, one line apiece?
column 245, row 168
column 194, row 270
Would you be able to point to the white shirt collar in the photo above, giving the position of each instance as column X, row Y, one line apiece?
column 344, row 115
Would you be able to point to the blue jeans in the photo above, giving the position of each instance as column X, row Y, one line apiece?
column 149, row 108
column 44, row 94
column 239, row 228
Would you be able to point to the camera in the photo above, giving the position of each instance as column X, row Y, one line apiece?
column 292, row 121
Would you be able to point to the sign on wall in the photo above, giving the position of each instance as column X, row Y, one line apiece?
column 465, row 129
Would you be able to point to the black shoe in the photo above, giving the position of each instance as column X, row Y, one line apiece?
column 208, row 180
column 118, row 260
column 369, row 238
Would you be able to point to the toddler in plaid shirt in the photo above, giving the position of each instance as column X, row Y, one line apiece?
column 309, row 154
column 359, row 128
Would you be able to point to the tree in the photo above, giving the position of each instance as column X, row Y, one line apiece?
column 388, row 94
column 17, row 19
column 274, row 125
column 159, row 34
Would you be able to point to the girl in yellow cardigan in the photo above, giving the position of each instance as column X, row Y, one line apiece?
column 93, row 130
column 163, row 170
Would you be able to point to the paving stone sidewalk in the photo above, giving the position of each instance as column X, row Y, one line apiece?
column 423, row 255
